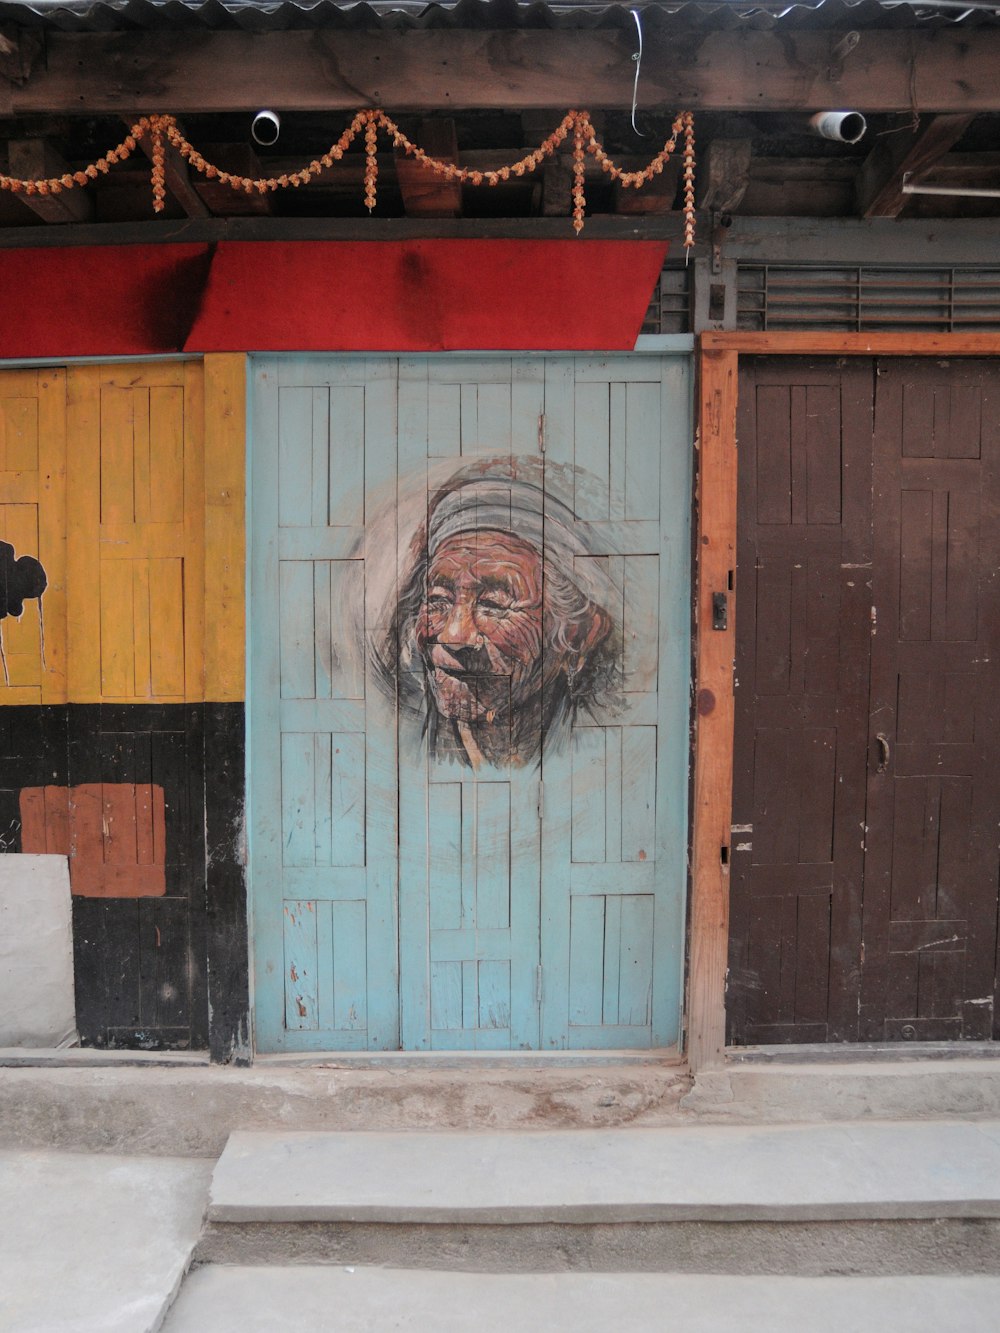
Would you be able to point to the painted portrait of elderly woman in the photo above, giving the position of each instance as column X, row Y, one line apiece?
column 502, row 630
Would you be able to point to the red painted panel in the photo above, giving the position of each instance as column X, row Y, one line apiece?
column 417, row 296
column 425, row 296
column 99, row 300
column 113, row 833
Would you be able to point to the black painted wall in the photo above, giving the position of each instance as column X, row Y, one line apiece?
column 154, row 973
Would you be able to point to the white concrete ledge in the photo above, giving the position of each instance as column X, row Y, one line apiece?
column 722, row 1173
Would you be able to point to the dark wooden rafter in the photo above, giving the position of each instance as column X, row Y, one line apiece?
column 177, row 179
column 903, row 150
column 725, row 174
column 35, row 159
column 19, row 49
column 241, row 160
column 426, row 194
column 656, row 196
column 786, row 70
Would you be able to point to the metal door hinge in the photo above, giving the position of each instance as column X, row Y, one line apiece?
column 541, row 432
column 538, row 984
column 541, row 800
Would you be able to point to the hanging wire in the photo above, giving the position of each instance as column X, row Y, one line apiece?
column 637, row 57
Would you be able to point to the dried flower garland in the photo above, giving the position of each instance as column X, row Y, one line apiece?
column 161, row 130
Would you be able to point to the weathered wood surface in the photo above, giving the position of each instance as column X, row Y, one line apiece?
column 931, row 867
column 135, row 534
column 187, row 72
column 716, row 574
column 425, row 193
column 32, row 508
column 225, row 540
column 866, row 797
column 900, row 151
column 803, row 644
column 36, row 159
column 856, row 344
column 537, row 907
column 177, row 179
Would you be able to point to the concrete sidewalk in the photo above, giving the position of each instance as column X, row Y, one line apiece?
column 372, row 1300
column 92, row 1243
column 96, row 1243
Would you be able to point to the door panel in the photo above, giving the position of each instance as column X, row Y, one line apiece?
column 451, row 857
column 804, row 553
column 933, row 798
column 865, row 803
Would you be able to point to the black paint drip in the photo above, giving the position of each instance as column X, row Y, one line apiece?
column 19, row 579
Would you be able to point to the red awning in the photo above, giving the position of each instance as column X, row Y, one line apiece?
column 99, row 300
column 427, row 296
column 312, row 296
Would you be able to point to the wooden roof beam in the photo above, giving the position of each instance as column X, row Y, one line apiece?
column 177, row 179
column 127, row 73
column 36, row 159
column 903, row 150
column 425, row 193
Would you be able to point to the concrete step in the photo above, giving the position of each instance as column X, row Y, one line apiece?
column 905, row 1197
column 359, row 1300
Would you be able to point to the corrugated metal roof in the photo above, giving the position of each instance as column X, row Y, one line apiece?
column 278, row 15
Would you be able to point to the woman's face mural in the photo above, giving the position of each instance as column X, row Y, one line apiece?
column 479, row 632
column 493, row 639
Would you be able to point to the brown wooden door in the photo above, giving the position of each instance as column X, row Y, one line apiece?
column 866, row 797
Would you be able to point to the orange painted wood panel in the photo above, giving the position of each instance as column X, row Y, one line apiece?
column 853, row 344
column 716, row 555
column 113, row 833
column 225, row 526
column 32, row 467
column 136, row 533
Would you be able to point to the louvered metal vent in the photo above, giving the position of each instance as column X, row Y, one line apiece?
column 939, row 300
column 669, row 310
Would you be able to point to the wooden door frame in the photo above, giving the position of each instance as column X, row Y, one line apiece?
column 717, row 362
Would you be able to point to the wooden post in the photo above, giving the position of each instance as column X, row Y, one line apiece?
column 713, row 774
column 225, row 498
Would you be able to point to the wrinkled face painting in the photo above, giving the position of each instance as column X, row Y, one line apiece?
column 500, row 631
column 479, row 630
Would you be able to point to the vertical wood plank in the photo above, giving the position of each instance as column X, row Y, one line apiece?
column 444, row 814
column 225, row 392
column 586, row 959
column 642, row 454
column 638, row 798
column 170, row 628
column 716, row 554
column 635, row 982
column 297, row 635
column 347, row 798
column 494, row 994
column 592, row 449
column 350, row 971
column 589, row 768
column 611, row 956
column 347, row 455
column 493, row 835
column 52, row 532
column 83, row 517
column 190, row 402
column 301, row 966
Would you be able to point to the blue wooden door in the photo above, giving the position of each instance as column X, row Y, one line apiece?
column 468, row 701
